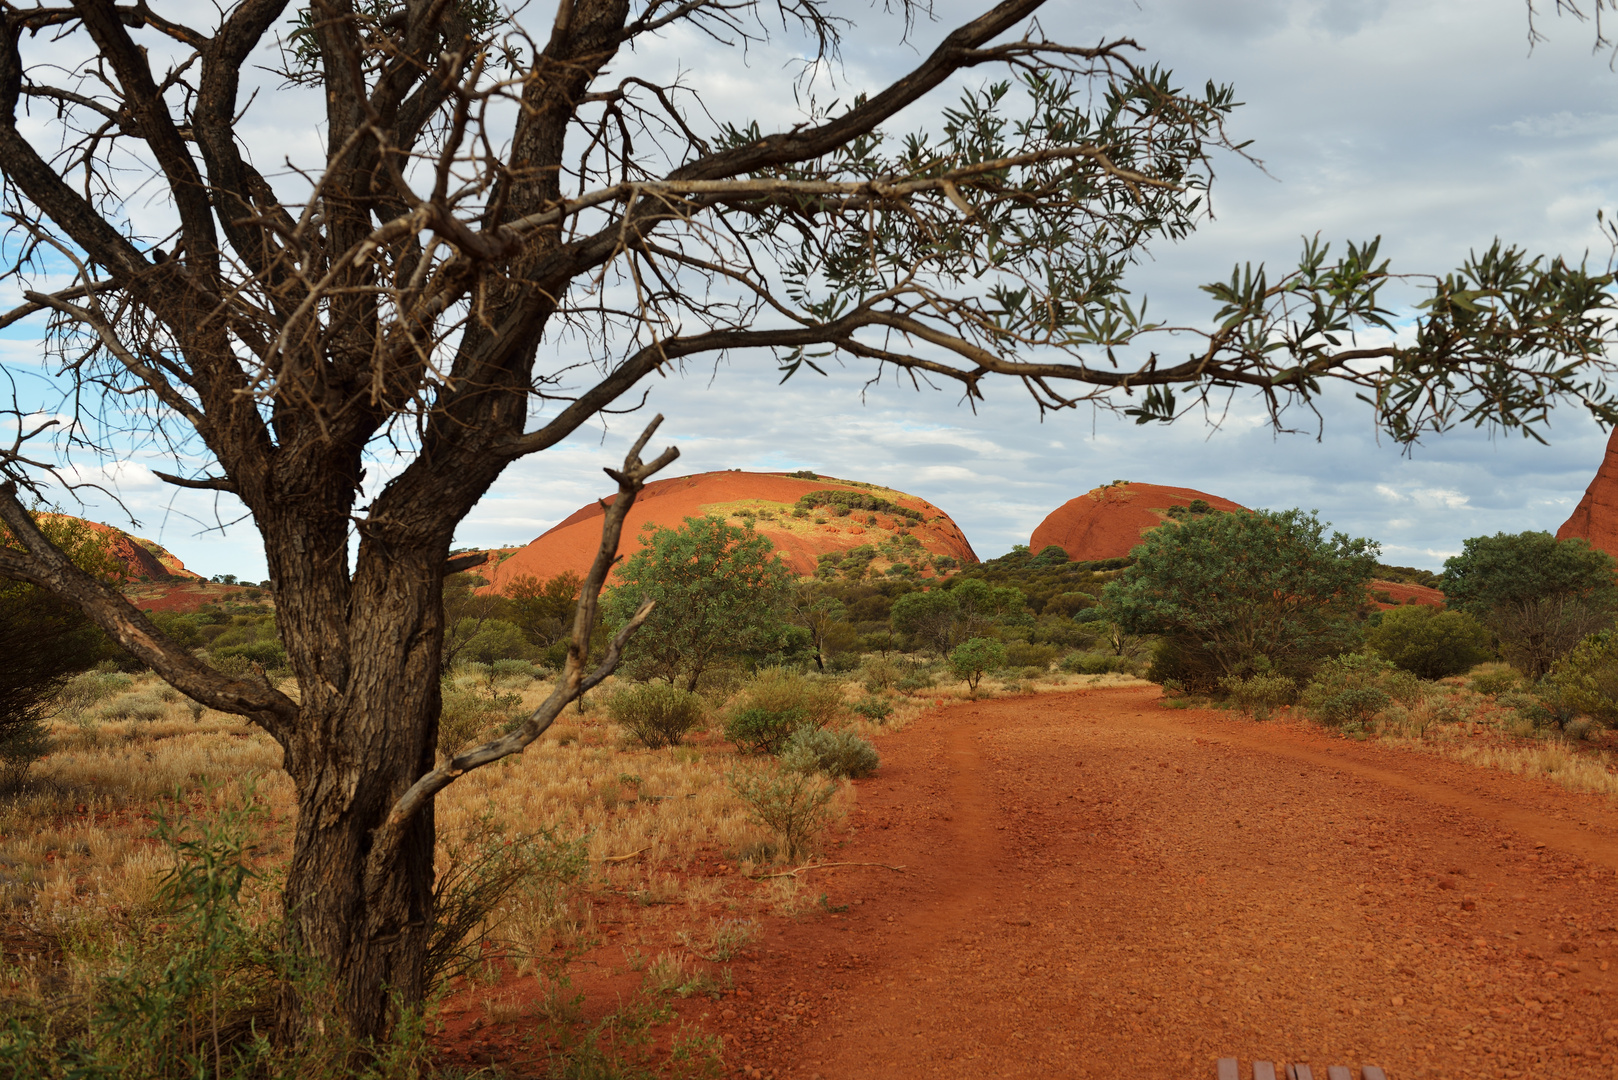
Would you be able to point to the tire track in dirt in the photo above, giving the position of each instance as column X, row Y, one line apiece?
column 1095, row 884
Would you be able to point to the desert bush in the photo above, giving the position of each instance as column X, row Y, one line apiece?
column 492, row 640
column 838, row 754
column 513, row 670
column 21, row 744
column 1354, row 687
column 873, row 708
column 915, row 683
column 1587, row 677
column 793, row 806
column 1528, row 707
column 758, row 730
column 656, row 714
column 1429, row 643
column 1023, row 654
column 1259, row 695
column 90, row 687
column 1495, row 679
column 467, row 712
column 777, row 690
column 1084, row 663
column 1181, row 659
column 143, row 706
column 228, row 664
column 975, row 656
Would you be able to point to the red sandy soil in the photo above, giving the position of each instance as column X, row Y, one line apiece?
column 572, row 544
column 1096, row 885
column 1596, row 517
column 1108, row 522
column 1404, row 594
column 181, row 596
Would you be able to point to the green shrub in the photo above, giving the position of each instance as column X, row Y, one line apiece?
column 793, row 806
column 1181, row 659
column 1496, row 680
column 877, row 672
column 778, row 690
column 21, row 744
column 1354, row 687
column 1427, row 642
column 467, row 713
column 838, row 754
column 492, row 641
column 1259, row 695
column 1082, row 663
column 758, row 730
column 874, row 709
column 142, row 706
column 915, row 682
column 1529, row 707
column 1587, row 677
column 267, row 654
column 656, row 714
column 89, row 687
column 975, row 656
column 1023, row 654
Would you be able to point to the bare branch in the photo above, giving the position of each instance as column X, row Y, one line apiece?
column 41, row 563
column 573, row 682
column 204, row 483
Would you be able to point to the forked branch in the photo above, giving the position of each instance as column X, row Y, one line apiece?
column 573, row 682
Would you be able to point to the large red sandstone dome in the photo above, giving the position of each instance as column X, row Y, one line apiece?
column 767, row 499
column 1596, row 517
column 1108, row 522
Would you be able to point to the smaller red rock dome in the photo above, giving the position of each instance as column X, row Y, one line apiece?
column 1108, row 522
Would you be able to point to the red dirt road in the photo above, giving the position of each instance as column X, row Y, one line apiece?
column 1098, row 886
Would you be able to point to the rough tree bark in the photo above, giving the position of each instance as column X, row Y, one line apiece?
column 500, row 240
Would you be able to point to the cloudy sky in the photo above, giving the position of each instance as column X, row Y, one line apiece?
column 1427, row 122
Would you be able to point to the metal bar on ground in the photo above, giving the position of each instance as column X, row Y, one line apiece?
column 1263, row 1070
column 1227, row 1069
column 1371, row 1072
column 1338, row 1072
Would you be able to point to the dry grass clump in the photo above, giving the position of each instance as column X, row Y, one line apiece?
column 80, row 869
column 1485, row 720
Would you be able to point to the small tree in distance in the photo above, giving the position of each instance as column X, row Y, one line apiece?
column 1427, row 642
column 1539, row 595
column 972, row 658
column 1243, row 593
column 719, row 591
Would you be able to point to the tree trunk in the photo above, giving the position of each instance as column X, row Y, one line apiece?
column 367, row 731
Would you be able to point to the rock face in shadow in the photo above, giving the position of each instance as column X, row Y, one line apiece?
column 1596, row 517
column 1107, row 522
column 918, row 533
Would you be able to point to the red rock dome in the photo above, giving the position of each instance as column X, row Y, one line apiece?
column 138, row 559
column 1596, row 517
column 1108, row 522
column 768, row 499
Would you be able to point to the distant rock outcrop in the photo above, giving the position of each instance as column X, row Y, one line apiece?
column 1596, row 517
column 899, row 528
column 141, row 559
column 1108, row 522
